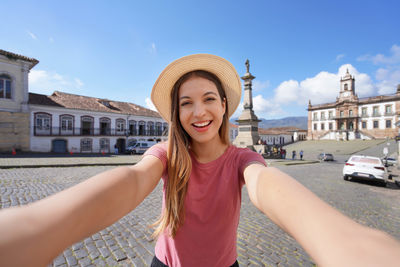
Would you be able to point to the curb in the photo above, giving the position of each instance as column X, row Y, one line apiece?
column 65, row 165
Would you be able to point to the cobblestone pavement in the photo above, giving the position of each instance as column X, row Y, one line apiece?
column 260, row 242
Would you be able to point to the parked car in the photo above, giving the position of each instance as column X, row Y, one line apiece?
column 325, row 157
column 366, row 168
column 139, row 147
column 389, row 161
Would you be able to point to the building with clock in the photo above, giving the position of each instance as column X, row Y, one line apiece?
column 351, row 117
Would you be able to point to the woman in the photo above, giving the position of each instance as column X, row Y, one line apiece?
column 203, row 175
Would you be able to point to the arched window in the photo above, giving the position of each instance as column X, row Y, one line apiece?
column 120, row 126
column 150, row 128
column 42, row 123
column 132, row 127
column 142, row 130
column 346, row 87
column 158, row 128
column 87, row 125
column 66, row 124
column 5, row 86
column 105, row 126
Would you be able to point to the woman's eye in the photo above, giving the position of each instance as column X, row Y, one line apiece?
column 210, row 99
column 184, row 104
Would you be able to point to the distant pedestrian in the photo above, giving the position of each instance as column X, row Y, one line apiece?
column 293, row 154
column 116, row 149
column 301, row 154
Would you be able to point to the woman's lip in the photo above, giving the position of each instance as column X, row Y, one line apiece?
column 202, row 129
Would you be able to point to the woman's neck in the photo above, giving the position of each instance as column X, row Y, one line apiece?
column 206, row 152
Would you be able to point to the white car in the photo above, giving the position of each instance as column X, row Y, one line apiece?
column 366, row 168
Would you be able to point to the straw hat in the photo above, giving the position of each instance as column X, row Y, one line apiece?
column 223, row 69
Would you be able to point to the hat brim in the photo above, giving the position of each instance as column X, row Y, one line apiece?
column 223, row 69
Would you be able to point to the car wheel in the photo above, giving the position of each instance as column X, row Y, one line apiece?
column 345, row 177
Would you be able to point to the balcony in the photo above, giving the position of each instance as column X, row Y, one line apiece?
column 58, row 131
column 376, row 114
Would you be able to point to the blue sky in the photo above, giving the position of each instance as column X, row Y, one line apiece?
column 298, row 50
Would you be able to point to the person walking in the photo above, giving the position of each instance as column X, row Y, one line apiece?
column 293, row 154
column 203, row 176
column 301, row 154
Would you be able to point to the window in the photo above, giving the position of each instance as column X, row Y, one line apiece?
column 42, row 124
column 330, row 126
column 150, row 127
column 86, row 125
column 132, row 127
column 341, row 113
column 330, row 116
column 165, row 129
column 322, row 126
column 341, row 126
column 388, row 123
column 67, row 123
column 364, row 125
column 322, row 115
column 375, row 111
column 105, row 126
column 5, row 86
column 86, row 145
column 388, row 109
column 350, row 112
column 364, row 112
column 376, row 124
column 142, row 128
column 346, row 87
column 104, row 145
column 158, row 128
column 120, row 125
column 315, row 126
column 315, row 116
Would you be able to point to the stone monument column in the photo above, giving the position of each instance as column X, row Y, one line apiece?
column 248, row 121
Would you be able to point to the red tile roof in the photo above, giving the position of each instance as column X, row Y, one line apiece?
column 279, row 130
column 71, row 101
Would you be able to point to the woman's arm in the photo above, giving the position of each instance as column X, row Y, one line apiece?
column 330, row 238
column 34, row 234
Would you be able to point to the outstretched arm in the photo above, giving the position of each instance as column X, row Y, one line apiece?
column 330, row 238
column 34, row 234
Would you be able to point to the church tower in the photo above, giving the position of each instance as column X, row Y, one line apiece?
column 347, row 90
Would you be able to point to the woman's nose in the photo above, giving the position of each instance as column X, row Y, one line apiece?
column 199, row 110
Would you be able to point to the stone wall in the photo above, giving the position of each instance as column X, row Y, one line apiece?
column 14, row 131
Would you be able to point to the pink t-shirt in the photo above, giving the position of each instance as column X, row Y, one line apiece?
column 212, row 209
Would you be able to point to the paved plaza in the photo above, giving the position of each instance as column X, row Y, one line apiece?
column 128, row 242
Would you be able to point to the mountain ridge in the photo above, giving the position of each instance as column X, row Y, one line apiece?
column 294, row 121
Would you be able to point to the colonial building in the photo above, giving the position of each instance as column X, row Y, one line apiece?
column 65, row 122
column 352, row 118
column 14, row 110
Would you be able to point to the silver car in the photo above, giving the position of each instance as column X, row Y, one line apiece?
column 325, row 157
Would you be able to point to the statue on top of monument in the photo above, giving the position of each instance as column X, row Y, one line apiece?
column 247, row 65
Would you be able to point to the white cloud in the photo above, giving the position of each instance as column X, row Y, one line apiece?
column 33, row 36
column 394, row 58
column 322, row 88
column 339, row 57
column 45, row 82
column 153, row 49
column 388, row 79
column 259, row 86
column 266, row 108
column 149, row 104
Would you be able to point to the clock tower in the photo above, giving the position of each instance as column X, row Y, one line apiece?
column 347, row 88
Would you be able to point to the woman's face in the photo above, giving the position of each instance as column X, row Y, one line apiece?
column 201, row 110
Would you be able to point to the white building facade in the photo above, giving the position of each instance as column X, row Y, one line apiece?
column 352, row 118
column 65, row 122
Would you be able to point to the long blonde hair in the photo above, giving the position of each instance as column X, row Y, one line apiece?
column 179, row 161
